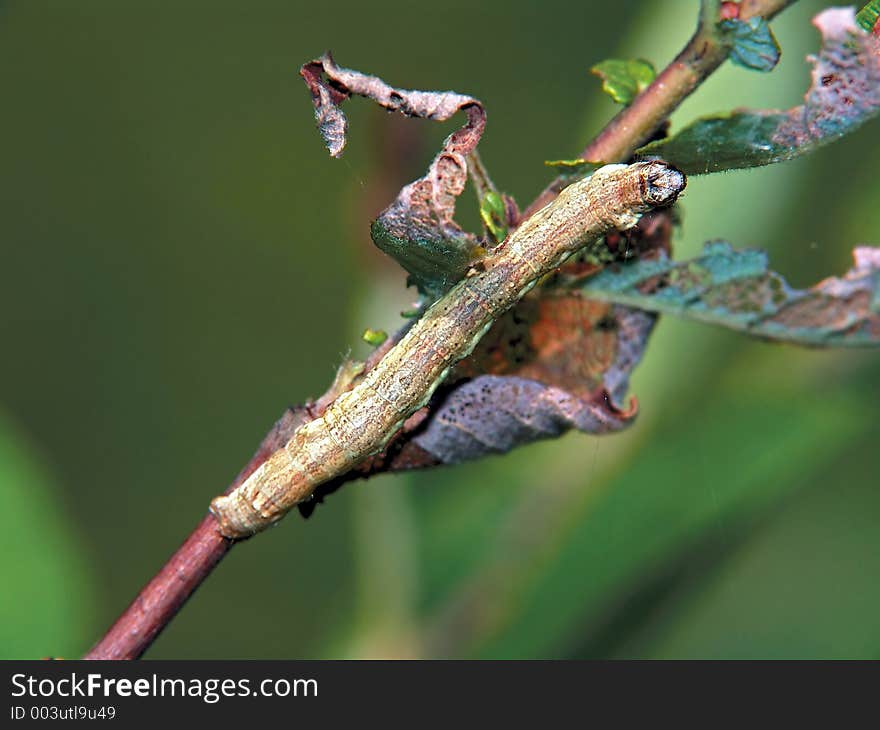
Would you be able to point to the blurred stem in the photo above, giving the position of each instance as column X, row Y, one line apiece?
column 710, row 13
column 480, row 176
column 387, row 573
column 635, row 124
column 490, row 202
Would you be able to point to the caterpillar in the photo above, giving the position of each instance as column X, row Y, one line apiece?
column 360, row 421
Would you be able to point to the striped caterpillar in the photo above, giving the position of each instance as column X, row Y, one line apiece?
column 359, row 422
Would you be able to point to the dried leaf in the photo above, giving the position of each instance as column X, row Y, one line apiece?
column 735, row 289
column 623, row 80
column 418, row 229
column 752, row 43
column 651, row 235
column 845, row 93
column 555, row 363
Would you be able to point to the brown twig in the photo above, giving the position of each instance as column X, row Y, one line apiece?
column 160, row 600
column 165, row 594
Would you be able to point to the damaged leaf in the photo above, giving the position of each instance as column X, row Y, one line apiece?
column 735, row 289
column 418, row 229
column 556, row 362
column 752, row 43
column 623, row 80
column 844, row 94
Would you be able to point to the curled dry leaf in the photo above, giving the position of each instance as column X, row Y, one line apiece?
column 418, row 229
column 844, row 94
column 735, row 289
column 555, row 363
column 521, row 386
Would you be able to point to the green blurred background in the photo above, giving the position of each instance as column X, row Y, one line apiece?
column 181, row 259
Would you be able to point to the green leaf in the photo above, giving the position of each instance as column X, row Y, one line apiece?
column 868, row 16
column 733, row 578
column 434, row 263
column 752, row 43
column 374, row 337
column 735, row 289
column 47, row 605
column 494, row 215
column 574, row 168
column 725, row 142
column 844, row 95
column 623, row 80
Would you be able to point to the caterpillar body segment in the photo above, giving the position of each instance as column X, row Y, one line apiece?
column 360, row 421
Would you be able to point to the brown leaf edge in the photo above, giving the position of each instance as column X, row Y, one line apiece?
column 418, row 229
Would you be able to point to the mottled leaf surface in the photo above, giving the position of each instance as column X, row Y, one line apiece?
column 418, row 229
column 752, row 43
column 556, row 362
column 735, row 289
column 493, row 213
column 844, row 94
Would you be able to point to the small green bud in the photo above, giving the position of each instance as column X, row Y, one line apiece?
column 494, row 215
column 374, row 337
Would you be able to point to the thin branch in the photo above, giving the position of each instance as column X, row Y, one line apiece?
column 636, row 124
column 157, row 604
column 160, row 600
column 483, row 184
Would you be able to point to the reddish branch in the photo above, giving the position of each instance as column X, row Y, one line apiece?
column 636, row 124
column 164, row 595
column 160, row 600
column 170, row 588
column 154, row 607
